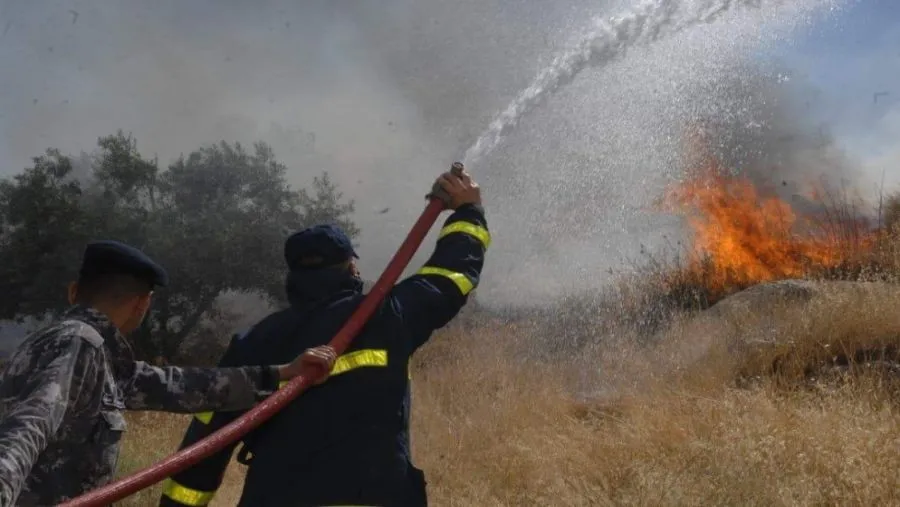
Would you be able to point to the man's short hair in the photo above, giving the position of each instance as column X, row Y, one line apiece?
column 111, row 287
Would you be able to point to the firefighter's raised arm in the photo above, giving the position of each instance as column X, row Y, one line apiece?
column 439, row 290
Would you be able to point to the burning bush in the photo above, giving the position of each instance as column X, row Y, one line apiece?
column 743, row 234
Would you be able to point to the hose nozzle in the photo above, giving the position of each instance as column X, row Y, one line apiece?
column 437, row 192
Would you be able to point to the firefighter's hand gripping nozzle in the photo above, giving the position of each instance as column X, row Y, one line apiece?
column 437, row 192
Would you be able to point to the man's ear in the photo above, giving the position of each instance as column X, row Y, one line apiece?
column 144, row 302
column 73, row 292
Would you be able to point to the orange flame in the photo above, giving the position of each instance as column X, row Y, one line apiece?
column 744, row 237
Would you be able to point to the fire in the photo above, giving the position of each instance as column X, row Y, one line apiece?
column 744, row 236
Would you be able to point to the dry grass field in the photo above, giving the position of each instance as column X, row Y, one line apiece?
column 622, row 424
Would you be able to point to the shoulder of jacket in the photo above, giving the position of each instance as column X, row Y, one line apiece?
column 83, row 331
column 345, row 305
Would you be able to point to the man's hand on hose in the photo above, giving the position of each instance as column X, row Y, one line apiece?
column 461, row 189
column 315, row 363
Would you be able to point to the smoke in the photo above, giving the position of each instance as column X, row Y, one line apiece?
column 858, row 98
column 764, row 132
column 385, row 95
column 178, row 76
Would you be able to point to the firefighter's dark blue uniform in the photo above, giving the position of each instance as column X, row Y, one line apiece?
column 345, row 442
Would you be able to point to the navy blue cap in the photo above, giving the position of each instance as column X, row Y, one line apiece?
column 318, row 247
column 112, row 257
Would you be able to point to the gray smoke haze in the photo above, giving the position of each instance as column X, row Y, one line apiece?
column 385, row 95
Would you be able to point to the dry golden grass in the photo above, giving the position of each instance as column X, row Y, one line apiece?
column 625, row 425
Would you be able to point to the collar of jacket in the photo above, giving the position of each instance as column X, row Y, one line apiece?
column 311, row 286
column 121, row 354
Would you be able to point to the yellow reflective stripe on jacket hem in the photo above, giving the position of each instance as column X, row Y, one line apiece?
column 187, row 496
column 462, row 281
column 476, row 231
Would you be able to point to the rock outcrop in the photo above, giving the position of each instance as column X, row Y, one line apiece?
column 806, row 324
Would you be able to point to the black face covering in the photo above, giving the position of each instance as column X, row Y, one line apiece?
column 308, row 286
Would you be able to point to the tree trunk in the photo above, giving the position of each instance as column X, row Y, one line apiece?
column 172, row 342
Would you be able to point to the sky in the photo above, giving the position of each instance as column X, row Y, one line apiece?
column 385, row 95
column 849, row 59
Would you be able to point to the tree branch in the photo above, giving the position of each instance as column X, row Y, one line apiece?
column 190, row 323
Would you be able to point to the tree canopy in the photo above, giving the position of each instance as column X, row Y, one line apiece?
column 216, row 219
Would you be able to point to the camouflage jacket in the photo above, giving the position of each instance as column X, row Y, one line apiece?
column 62, row 397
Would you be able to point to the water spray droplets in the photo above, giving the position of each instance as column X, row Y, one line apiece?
column 647, row 22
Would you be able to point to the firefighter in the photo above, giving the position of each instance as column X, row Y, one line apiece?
column 346, row 441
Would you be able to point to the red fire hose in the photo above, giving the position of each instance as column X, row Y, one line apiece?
column 273, row 404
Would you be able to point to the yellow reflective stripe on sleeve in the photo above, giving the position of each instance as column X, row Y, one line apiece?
column 204, row 417
column 462, row 281
column 476, row 231
column 187, row 496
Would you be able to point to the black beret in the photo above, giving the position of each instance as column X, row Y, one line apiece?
column 113, row 257
column 317, row 247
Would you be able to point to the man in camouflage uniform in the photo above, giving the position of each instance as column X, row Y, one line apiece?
column 63, row 393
